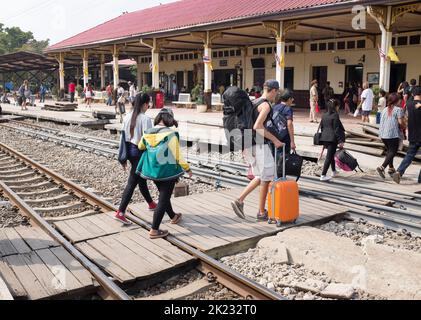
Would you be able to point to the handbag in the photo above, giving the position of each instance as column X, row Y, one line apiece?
column 293, row 165
column 123, row 152
column 318, row 136
column 317, row 108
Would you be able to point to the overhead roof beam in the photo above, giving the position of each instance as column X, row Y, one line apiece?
column 247, row 36
column 307, row 25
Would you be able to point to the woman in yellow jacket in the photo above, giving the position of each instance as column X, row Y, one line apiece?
column 162, row 162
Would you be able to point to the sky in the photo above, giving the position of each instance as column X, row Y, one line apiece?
column 60, row 19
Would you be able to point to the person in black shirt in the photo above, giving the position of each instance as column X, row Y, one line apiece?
column 333, row 136
column 414, row 129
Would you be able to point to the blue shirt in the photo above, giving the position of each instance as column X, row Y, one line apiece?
column 389, row 124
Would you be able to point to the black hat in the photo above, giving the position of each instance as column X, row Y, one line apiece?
column 286, row 95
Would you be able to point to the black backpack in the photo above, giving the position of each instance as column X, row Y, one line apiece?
column 240, row 114
column 346, row 158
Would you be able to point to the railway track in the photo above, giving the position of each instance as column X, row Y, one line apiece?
column 402, row 213
column 39, row 193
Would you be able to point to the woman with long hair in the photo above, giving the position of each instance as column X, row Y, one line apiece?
column 89, row 93
column 391, row 123
column 333, row 136
column 134, row 126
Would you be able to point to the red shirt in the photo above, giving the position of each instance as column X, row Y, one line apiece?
column 72, row 88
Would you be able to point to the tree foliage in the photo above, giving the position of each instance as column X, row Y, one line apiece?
column 14, row 39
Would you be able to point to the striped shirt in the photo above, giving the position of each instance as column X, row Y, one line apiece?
column 389, row 125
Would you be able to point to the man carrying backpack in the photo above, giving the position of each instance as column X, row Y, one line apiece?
column 259, row 155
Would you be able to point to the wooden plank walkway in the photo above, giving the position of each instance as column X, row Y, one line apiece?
column 35, row 267
column 126, row 253
column 211, row 226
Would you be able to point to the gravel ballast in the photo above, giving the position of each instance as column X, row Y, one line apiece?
column 286, row 279
column 361, row 231
column 101, row 175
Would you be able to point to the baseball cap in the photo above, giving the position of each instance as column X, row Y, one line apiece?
column 272, row 84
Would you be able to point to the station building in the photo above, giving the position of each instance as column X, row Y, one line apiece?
column 243, row 42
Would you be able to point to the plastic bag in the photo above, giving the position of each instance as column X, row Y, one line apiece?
column 356, row 113
column 250, row 174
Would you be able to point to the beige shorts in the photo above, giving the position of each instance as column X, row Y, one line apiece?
column 261, row 159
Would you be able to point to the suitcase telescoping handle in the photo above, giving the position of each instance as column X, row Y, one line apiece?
column 283, row 164
column 273, row 216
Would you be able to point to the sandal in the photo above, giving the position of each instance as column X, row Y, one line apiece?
column 177, row 219
column 161, row 234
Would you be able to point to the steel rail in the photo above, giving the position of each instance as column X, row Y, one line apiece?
column 348, row 199
column 382, row 219
column 230, row 278
column 109, row 286
column 355, row 185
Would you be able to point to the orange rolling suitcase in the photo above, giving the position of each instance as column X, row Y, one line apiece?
column 283, row 199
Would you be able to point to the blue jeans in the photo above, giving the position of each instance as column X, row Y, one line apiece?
column 410, row 156
column 110, row 101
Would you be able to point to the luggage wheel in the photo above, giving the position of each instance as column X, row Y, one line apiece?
column 279, row 224
column 270, row 221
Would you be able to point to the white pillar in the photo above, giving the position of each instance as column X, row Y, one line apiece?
column 388, row 45
column 280, row 51
column 85, row 68
column 186, row 78
column 155, row 66
column 139, row 74
column 61, row 71
column 208, row 70
column 102, row 71
column 116, row 69
column 244, row 53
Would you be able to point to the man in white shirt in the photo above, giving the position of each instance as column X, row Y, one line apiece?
column 367, row 99
column 132, row 92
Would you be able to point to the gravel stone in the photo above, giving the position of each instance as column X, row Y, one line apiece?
column 362, row 232
column 102, row 174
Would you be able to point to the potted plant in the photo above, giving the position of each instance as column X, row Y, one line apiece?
column 198, row 96
column 79, row 91
column 54, row 93
column 147, row 90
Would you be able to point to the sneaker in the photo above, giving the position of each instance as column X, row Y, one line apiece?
column 262, row 216
column 238, row 208
column 121, row 217
column 391, row 171
column 325, row 178
column 397, row 177
column 334, row 174
column 381, row 173
column 152, row 206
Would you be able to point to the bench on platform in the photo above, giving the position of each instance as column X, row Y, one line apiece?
column 184, row 99
column 100, row 96
column 217, row 102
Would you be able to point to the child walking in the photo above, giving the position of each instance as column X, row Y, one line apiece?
column 163, row 163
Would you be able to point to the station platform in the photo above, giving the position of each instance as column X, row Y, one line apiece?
column 210, row 225
column 35, row 267
column 79, row 118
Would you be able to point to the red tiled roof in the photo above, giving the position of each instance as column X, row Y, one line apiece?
column 182, row 14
